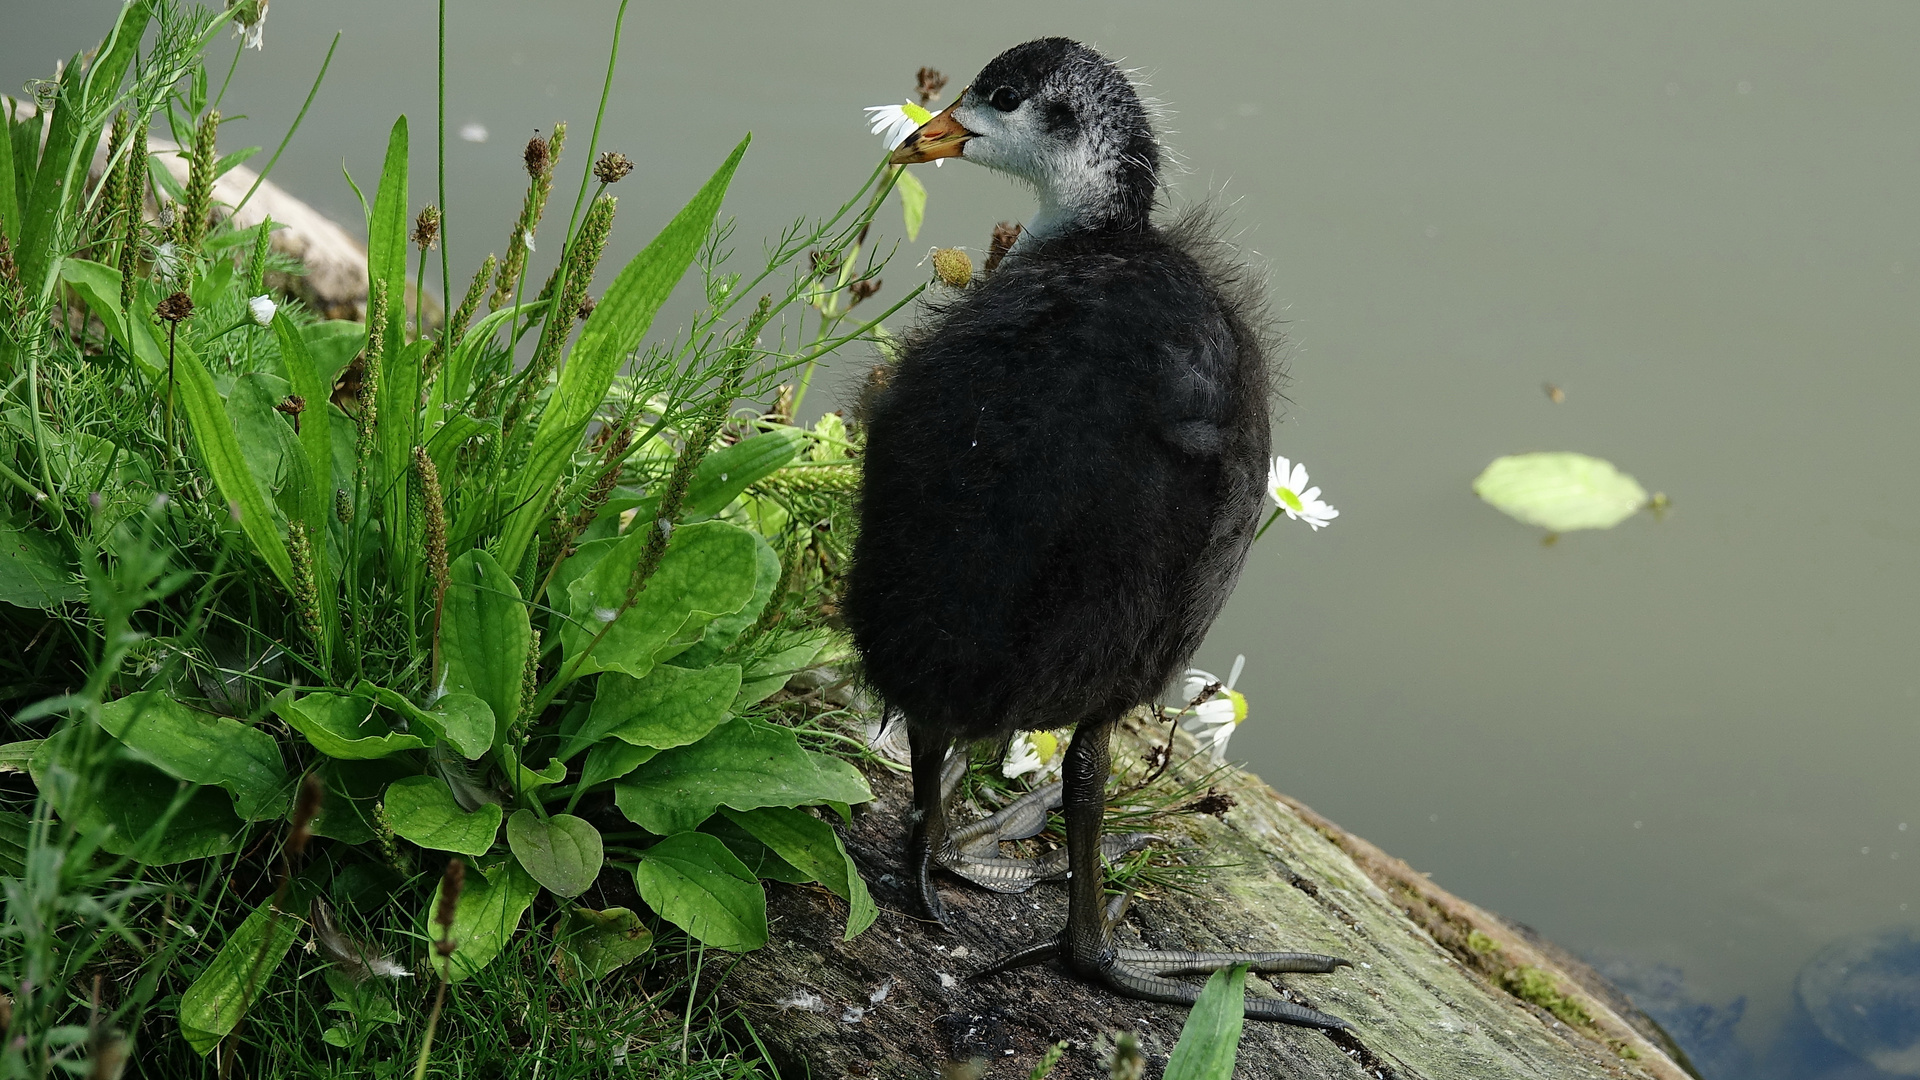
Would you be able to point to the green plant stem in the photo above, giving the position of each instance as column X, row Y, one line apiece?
column 446, row 281
column 302, row 115
column 1275, row 516
column 433, row 1023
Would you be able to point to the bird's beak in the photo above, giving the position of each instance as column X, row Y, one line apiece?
column 940, row 137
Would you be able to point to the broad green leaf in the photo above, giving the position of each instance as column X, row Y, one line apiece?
column 422, row 809
column 561, row 852
column 913, row 202
column 595, row 944
column 463, row 720
column 274, row 456
column 34, row 572
column 332, row 345
column 772, row 671
column 14, row 756
column 119, row 791
column 723, row 475
column 744, row 764
column 221, row 451
column 13, row 839
column 202, row 748
column 490, row 909
column 456, row 375
column 99, row 286
column 354, row 791
column 1560, row 492
column 315, row 441
column 484, row 636
column 758, row 857
column 696, row 884
column 72, row 135
column 612, row 760
column 708, row 571
column 212, row 1007
column 722, row 633
column 447, row 437
column 584, row 558
column 342, row 726
column 670, row 707
column 610, row 335
column 1210, row 1040
column 9, row 201
column 554, row 772
column 814, row 848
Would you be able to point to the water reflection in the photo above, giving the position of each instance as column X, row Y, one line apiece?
column 1855, row 1015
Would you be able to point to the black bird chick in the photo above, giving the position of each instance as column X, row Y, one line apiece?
column 1063, row 474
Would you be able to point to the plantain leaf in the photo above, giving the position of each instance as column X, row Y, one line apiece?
column 696, row 884
column 422, row 809
column 812, row 846
column 670, row 707
column 709, row 570
column 561, row 852
column 131, row 798
column 612, row 760
column 595, row 944
column 463, row 720
column 611, row 333
column 34, row 572
column 1560, row 492
column 99, row 287
column 213, row 430
column 1210, row 1040
column 342, row 726
column 744, row 764
column 202, row 748
column 484, row 636
column 212, row 1007
column 490, row 909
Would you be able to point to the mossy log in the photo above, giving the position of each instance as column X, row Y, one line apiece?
column 1439, row 989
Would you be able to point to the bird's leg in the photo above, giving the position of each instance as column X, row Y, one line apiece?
column 972, row 851
column 930, row 792
column 1087, row 942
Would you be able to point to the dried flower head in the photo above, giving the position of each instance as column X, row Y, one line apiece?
column 292, row 405
column 952, row 266
column 1214, row 802
column 426, row 228
column 587, row 304
column 313, row 794
column 930, row 83
column 451, row 883
column 612, row 167
column 539, row 159
column 864, row 288
column 175, row 308
column 824, row 263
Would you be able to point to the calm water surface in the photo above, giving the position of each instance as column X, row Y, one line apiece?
column 1685, row 748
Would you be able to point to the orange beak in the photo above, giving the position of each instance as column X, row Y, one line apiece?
column 940, row 137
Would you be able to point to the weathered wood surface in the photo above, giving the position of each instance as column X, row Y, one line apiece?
column 1423, row 1001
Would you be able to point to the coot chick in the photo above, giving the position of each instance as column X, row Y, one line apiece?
column 1063, row 474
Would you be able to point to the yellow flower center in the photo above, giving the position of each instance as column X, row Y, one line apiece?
column 1288, row 499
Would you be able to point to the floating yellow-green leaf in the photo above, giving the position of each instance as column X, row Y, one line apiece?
column 1560, row 492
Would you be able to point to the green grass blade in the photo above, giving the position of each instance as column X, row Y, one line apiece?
column 612, row 332
column 220, row 449
column 1210, row 1041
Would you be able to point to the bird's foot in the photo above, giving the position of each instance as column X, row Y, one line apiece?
column 973, row 851
column 1143, row 973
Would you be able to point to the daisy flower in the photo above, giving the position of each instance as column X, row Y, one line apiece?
column 250, row 22
column 893, row 123
column 1036, row 752
column 1287, row 484
column 260, row 309
column 1214, row 720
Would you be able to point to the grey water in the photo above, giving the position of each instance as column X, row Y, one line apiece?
column 1685, row 747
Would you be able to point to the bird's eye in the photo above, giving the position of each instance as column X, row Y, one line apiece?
column 1006, row 99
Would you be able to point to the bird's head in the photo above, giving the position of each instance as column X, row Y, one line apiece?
column 1063, row 118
